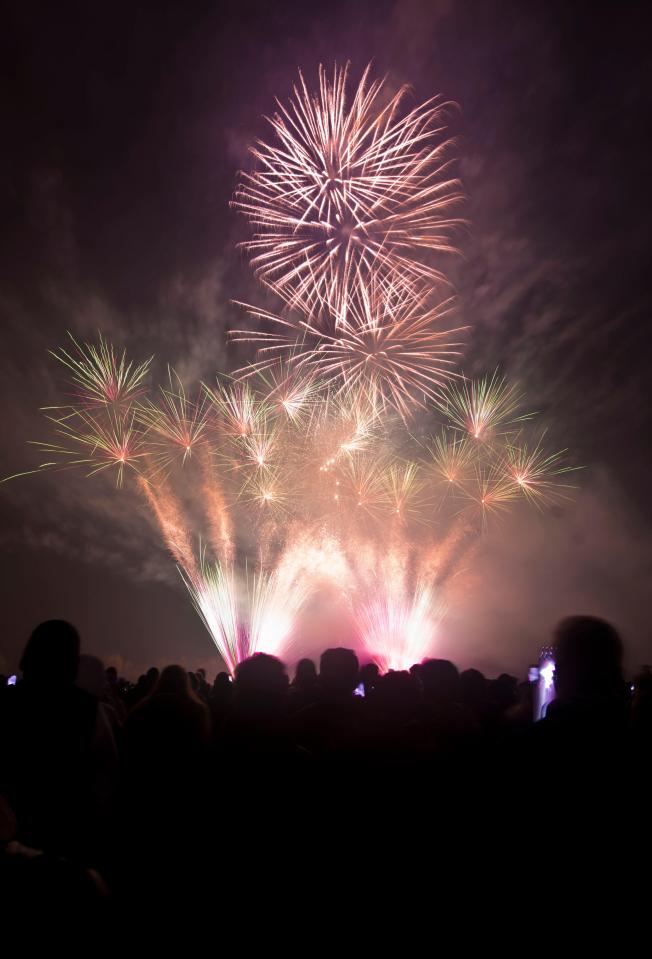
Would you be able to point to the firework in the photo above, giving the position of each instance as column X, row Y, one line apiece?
column 303, row 458
column 535, row 472
column 452, row 457
column 389, row 346
column 481, row 408
column 276, row 600
column 288, row 462
column 110, row 441
column 101, row 376
column 214, row 596
column 256, row 615
column 175, row 425
column 396, row 620
column 492, row 491
column 288, row 391
column 236, row 406
column 349, row 191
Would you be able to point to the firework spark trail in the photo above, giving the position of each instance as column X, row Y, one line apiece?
column 348, row 192
column 395, row 611
column 171, row 523
column 391, row 346
column 219, row 521
column 276, row 600
column 214, row 595
column 444, row 559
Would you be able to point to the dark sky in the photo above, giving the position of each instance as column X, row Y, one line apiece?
column 123, row 128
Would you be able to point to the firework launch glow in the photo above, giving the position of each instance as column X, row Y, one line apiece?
column 351, row 457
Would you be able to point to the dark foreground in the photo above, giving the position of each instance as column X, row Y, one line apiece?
column 258, row 803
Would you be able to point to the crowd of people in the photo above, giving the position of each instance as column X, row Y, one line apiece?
column 108, row 787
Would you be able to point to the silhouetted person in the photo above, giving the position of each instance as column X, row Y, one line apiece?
column 48, row 741
column 588, row 662
column 167, row 733
column 391, row 714
column 446, row 722
column 473, row 691
column 504, row 694
column 42, row 886
column 165, row 800
column 260, row 694
column 642, row 704
column 219, row 701
column 368, row 677
column 305, row 687
column 333, row 723
column 582, row 746
column 113, row 696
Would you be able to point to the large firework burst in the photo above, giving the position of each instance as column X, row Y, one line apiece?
column 349, row 191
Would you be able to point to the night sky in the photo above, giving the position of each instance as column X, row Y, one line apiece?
column 124, row 126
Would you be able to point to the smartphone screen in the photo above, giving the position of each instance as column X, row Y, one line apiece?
column 545, row 686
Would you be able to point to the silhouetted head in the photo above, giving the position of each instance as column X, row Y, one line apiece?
column 91, row 675
column 152, row 677
column 306, row 674
column 504, row 691
column 588, row 659
column 396, row 692
column 173, row 681
column 222, row 682
column 368, row 675
column 52, row 654
column 439, row 681
column 473, row 687
column 111, row 675
column 260, row 682
column 338, row 671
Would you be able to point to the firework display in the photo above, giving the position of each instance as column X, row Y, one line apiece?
column 306, row 470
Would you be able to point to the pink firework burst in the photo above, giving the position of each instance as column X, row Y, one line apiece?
column 348, row 190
